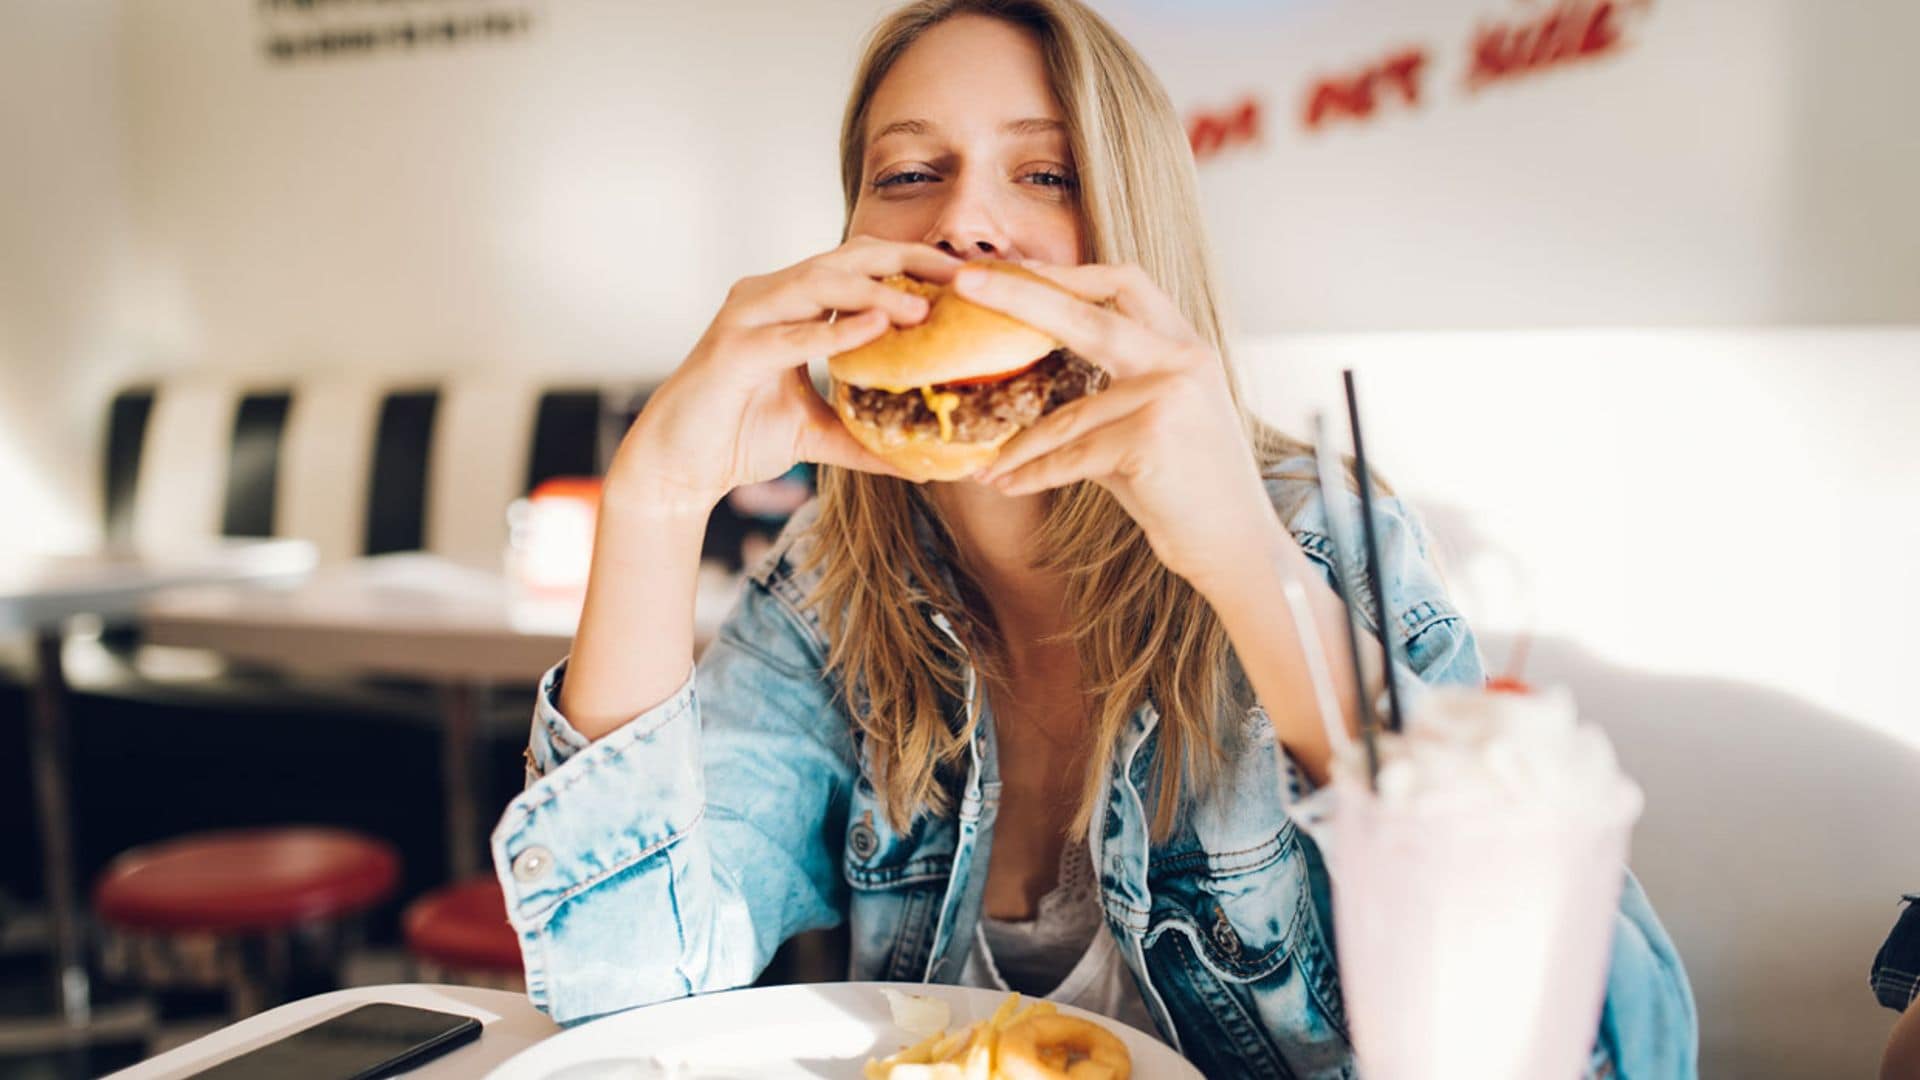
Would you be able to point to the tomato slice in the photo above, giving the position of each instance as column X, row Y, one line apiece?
column 979, row 380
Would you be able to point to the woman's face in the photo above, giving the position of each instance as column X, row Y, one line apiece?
column 967, row 149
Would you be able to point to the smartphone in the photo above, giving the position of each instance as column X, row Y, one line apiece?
column 367, row 1042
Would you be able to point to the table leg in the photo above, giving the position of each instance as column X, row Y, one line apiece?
column 48, row 749
column 460, row 723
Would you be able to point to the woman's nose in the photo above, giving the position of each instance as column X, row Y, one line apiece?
column 965, row 250
column 967, row 226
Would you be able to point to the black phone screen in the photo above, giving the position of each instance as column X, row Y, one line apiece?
column 370, row 1041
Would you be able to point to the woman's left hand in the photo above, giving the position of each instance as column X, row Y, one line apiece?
column 1164, row 437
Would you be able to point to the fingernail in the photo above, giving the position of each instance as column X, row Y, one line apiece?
column 971, row 278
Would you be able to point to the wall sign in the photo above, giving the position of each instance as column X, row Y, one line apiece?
column 1392, row 81
column 1210, row 132
column 304, row 30
column 1407, row 78
column 1569, row 31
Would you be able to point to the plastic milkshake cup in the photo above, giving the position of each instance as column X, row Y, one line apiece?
column 1475, row 890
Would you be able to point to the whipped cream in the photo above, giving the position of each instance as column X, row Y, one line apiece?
column 1468, row 749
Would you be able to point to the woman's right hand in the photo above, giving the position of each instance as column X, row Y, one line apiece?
column 740, row 408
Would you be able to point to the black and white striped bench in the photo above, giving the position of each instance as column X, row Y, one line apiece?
column 356, row 466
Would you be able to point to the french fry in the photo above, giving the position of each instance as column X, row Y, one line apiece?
column 917, row 1054
column 1003, row 1015
column 951, row 1046
column 979, row 1064
column 1038, row 1008
column 975, row 1051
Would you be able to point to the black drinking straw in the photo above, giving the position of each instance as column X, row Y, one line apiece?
column 1373, row 552
column 1332, row 488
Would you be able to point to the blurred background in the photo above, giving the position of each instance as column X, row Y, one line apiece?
column 1632, row 289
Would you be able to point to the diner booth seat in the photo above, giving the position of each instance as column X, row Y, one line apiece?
column 265, row 914
column 356, row 465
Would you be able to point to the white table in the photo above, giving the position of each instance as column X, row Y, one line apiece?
column 39, row 592
column 510, row 1025
column 39, row 595
column 411, row 615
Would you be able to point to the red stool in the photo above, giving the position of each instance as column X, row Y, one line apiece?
column 460, row 933
column 245, row 909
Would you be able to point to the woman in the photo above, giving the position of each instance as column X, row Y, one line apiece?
column 1032, row 729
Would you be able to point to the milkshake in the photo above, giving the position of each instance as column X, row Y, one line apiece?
column 1475, row 886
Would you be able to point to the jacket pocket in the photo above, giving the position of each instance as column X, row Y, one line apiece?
column 877, row 856
column 1233, row 942
column 897, row 880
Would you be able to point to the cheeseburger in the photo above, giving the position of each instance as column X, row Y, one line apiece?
column 937, row 399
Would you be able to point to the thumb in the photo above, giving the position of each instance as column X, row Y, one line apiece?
column 825, row 440
column 824, row 445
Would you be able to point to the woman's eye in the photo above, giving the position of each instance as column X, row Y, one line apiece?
column 1047, row 178
column 909, row 176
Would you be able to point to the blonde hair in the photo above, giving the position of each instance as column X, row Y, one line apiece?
column 1141, row 633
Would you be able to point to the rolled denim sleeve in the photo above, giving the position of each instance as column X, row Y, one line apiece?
column 1649, row 1029
column 673, row 855
column 1432, row 643
column 553, row 740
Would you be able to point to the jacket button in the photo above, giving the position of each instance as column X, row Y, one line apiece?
column 532, row 864
column 1224, row 938
column 863, row 840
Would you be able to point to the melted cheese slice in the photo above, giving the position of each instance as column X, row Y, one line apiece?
column 942, row 406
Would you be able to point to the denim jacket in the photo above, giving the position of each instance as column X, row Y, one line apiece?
column 675, row 854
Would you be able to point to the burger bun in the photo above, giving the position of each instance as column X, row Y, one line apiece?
column 958, row 339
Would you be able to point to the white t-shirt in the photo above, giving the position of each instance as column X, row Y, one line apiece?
column 1064, row 954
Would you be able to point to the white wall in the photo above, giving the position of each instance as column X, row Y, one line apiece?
column 63, row 263
column 583, row 194
column 1744, row 162
column 578, row 197
column 1731, row 503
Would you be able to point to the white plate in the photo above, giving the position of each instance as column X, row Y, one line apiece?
column 821, row 1031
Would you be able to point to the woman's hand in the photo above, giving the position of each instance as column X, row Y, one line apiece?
column 740, row 408
column 1164, row 437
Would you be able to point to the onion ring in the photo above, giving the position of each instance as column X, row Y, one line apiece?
column 1062, row 1048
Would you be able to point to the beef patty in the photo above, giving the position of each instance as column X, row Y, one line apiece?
column 986, row 410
